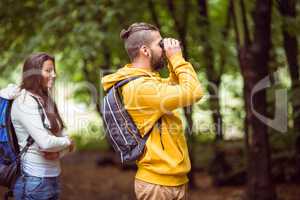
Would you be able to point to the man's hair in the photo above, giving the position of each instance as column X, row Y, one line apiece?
column 135, row 36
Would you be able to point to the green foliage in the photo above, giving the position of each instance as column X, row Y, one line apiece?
column 84, row 37
column 283, row 142
column 90, row 138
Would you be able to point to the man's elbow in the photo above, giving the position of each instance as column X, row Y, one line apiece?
column 198, row 93
column 193, row 96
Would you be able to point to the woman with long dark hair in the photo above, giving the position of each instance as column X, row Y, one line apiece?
column 35, row 115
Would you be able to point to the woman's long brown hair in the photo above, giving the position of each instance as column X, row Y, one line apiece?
column 32, row 81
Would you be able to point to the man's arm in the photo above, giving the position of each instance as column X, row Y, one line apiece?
column 172, row 79
column 164, row 96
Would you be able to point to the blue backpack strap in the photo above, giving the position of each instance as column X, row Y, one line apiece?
column 125, row 81
column 12, row 137
column 4, row 110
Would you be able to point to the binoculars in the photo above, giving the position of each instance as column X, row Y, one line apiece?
column 161, row 44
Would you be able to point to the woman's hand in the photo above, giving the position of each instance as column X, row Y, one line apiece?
column 56, row 155
column 51, row 155
column 72, row 146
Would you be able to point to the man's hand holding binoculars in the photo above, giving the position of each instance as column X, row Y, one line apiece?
column 170, row 46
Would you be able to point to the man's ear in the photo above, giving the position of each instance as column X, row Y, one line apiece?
column 145, row 51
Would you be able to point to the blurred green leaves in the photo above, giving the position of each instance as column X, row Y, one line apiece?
column 84, row 37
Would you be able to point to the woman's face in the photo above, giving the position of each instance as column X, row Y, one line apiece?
column 48, row 74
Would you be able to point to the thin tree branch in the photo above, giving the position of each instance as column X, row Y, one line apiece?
column 245, row 23
column 153, row 13
column 225, row 37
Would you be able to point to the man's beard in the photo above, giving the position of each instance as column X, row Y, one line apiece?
column 157, row 63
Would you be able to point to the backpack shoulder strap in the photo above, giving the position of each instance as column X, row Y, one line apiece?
column 12, row 137
column 29, row 141
column 125, row 81
column 45, row 120
column 158, row 124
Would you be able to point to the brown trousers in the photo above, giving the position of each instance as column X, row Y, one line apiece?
column 149, row 191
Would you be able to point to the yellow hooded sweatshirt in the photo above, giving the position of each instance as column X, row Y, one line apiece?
column 147, row 99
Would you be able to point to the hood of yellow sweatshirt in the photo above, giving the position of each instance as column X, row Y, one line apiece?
column 125, row 72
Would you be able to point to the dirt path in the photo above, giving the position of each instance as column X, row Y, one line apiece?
column 85, row 181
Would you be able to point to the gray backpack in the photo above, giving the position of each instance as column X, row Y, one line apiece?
column 120, row 129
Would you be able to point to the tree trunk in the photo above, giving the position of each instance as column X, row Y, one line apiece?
column 253, row 59
column 243, row 42
column 259, row 186
column 288, row 9
column 213, row 76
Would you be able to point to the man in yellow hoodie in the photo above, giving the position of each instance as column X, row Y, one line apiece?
column 163, row 168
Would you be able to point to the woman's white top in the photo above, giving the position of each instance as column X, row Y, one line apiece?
column 27, row 121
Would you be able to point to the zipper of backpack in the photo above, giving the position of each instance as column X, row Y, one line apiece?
column 130, row 131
